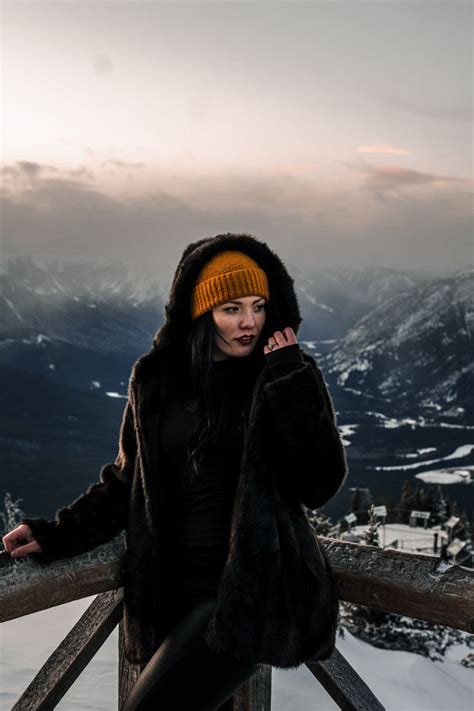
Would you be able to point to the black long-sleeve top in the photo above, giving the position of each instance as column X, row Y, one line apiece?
column 203, row 506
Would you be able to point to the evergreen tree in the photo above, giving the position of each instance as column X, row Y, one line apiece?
column 356, row 502
column 440, row 508
column 322, row 524
column 450, row 508
column 392, row 510
column 359, row 504
column 424, row 499
column 12, row 514
column 464, row 527
column 428, row 504
column 468, row 661
column 371, row 535
column 407, row 502
column 398, row 632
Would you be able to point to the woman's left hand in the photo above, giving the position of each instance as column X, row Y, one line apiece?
column 281, row 339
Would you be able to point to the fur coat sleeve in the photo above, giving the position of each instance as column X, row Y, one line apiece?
column 98, row 514
column 309, row 456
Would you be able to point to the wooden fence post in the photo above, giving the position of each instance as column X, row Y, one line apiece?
column 256, row 693
column 127, row 673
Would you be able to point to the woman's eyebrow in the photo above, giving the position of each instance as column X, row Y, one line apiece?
column 239, row 302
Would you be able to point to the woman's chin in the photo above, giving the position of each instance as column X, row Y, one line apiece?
column 243, row 350
column 239, row 352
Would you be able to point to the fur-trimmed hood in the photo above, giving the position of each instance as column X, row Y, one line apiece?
column 281, row 310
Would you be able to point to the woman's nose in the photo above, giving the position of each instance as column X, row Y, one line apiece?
column 248, row 319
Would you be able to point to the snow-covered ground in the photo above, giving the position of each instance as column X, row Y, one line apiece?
column 459, row 453
column 402, row 681
column 407, row 538
column 447, row 476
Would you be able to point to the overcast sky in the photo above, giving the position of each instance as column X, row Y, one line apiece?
column 340, row 132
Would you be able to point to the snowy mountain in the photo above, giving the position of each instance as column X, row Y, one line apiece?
column 414, row 350
column 109, row 307
column 105, row 308
column 333, row 300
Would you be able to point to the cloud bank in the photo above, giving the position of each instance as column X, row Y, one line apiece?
column 378, row 216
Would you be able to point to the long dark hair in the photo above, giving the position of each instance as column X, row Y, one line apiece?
column 201, row 395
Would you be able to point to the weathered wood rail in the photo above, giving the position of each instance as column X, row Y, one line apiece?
column 413, row 584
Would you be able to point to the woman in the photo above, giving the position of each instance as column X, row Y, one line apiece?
column 228, row 434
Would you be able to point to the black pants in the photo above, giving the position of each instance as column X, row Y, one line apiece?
column 185, row 674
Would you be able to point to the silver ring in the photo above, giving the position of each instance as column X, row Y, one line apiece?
column 271, row 346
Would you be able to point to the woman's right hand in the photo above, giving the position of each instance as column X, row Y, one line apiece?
column 14, row 541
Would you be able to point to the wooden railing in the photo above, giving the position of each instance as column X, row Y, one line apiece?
column 412, row 584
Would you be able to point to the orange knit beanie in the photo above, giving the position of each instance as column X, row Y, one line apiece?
column 226, row 276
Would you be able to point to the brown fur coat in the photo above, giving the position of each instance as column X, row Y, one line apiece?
column 277, row 600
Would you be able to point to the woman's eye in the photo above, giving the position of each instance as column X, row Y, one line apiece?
column 231, row 308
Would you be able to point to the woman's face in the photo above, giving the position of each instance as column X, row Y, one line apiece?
column 240, row 317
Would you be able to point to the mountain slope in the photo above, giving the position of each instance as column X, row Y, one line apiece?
column 414, row 350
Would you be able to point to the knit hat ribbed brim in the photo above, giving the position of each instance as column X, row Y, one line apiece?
column 229, row 275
